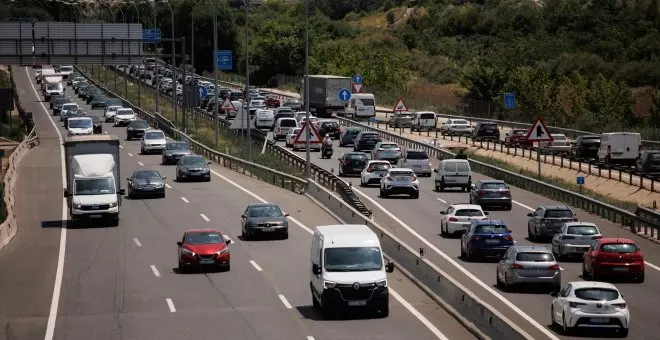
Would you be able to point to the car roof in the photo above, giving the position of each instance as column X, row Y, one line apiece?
column 555, row 207
column 532, row 249
column 592, row 284
column 492, row 181
column 466, row 206
column 489, row 222
column 263, row 205
column 586, row 224
column 205, row 230
column 616, row 240
column 347, row 235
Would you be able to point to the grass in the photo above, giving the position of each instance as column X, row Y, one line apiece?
column 552, row 180
column 201, row 130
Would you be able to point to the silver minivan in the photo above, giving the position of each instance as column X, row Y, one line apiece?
column 417, row 160
column 453, row 173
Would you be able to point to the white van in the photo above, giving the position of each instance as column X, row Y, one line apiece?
column 283, row 126
column 361, row 105
column 348, row 270
column 264, row 119
column 80, row 126
column 453, row 173
column 424, row 121
column 620, row 147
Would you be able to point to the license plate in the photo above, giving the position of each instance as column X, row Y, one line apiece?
column 357, row 303
column 206, row 261
column 447, row 179
column 620, row 269
column 599, row 320
column 268, row 230
column 489, row 130
column 95, row 216
column 357, row 169
column 495, row 241
column 147, row 189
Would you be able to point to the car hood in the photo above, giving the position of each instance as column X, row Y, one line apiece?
column 256, row 220
column 206, row 249
column 352, row 277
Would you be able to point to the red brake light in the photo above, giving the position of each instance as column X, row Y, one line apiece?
column 554, row 267
column 508, row 237
column 481, row 192
column 506, row 193
column 474, row 238
column 452, row 219
column 346, row 162
column 517, row 266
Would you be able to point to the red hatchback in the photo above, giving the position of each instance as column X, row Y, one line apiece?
column 201, row 248
column 517, row 137
column 613, row 257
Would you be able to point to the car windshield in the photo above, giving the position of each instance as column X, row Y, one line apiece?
column 379, row 166
column 69, row 106
column 596, row 294
column 151, row 174
column 356, row 156
column 54, row 86
column 204, row 238
column 78, row 79
column 556, row 213
column 535, row 257
column 176, row 146
column 469, row 212
column 288, row 123
column 80, row 123
column 620, row 248
column 388, row 146
column 66, row 68
column 330, row 125
column 489, row 126
column 154, row 135
column 460, row 122
column 193, row 161
column 139, row 124
column 97, row 186
column 353, row 259
column 265, row 211
column 369, row 136
column 352, row 132
column 491, row 229
column 493, row 186
column 582, row 230
column 62, row 101
column 417, row 155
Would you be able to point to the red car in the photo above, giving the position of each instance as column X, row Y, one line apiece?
column 272, row 101
column 613, row 257
column 517, row 137
column 202, row 248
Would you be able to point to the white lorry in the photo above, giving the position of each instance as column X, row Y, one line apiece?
column 93, row 178
column 53, row 85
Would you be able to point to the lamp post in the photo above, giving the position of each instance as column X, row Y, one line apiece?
column 174, row 80
column 139, row 80
column 153, row 5
column 247, row 82
column 307, row 122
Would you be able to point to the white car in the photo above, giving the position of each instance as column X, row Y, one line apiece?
column 574, row 239
column 291, row 136
column 77, row 80
column 68, row 107
column 258, row 103
column 79, row 126
column 590, row 304
column 110, row 112
column 373, row 172
column 458, row 217
column 455, row 127
column 399, row 181
column 153, row 141
column 124, row 116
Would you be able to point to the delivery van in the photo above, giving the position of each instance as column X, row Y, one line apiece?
column 620, row 147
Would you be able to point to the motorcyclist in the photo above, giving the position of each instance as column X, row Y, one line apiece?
column 327, row 143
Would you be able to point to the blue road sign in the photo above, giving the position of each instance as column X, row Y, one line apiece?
column 344, row 95
column 509, row 100
column 202, row 91
column 372, row 119
column 580, row 180
column 223, row 58
column 151, row 35
column 357, row 79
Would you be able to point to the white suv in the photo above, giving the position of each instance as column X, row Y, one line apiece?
column 458, row 217
column 399, row 181
column 124, row 116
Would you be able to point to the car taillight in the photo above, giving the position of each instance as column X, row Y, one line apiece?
column 575, row 304
column 453, row 219
column 414, row 178
column 565, row 237
column 475, row 238
column 369, row 170
column 619, row 305
column 347, row 162
column 481, row 192
column 554, row 267
column 517, row 266
column 506, row 193
column 508, row 237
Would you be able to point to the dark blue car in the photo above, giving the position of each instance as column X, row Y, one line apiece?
column 486, row 238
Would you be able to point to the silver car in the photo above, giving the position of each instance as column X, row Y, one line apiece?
column 528, row 265
column 386, row 151
column 153, row 141
column 574, row 239
column 399, row 181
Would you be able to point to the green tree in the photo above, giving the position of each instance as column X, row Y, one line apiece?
column 484, row 80
column 537, row 93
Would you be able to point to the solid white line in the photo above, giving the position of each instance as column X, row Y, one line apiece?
column 255, row 265
column 418, row 315
column 130, row 154
column 57, row 287
column 105, row 132
column 652, row 265
column 168, row 186
column 185, row 199
column 141, row 164
column 121, row 146
column 155, row 270
column 441, row 200
column 524, row 206
column 170, row 305
column 309, row 337
column 284, row 301
column 205, row 218
column 137, row 242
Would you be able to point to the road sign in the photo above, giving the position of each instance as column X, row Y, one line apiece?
column 227, row 105
column 314, row 136
column 357, row 79
column 509, row 100
column 223, row 58
column 344, row 95
column 202, row 91
column 151, row 35
column 580, row 180
column 400, row 106
column 372, row 119
column 538, row 132
column 357, row 87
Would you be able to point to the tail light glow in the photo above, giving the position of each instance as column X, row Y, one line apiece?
column 554, row 267
column 576, row 304
column 453, row 219
column 517, row 266
column 508, row 237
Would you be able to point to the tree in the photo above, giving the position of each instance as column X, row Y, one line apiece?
column 537, row 93
column 655, row 112
column 484, row 80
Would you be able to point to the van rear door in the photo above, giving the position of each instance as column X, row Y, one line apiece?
column 427, row 120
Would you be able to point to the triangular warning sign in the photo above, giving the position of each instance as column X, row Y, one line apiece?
column 314, row 137
column 539, row 133
column 400, row 106
column 227, row 105
column 357, row 88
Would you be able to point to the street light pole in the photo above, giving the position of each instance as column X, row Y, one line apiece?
column 247, row 83
column 307, row 122
column 153, row 4
column 174, row 80
column 215, row 74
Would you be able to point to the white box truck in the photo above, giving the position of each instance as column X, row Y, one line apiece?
column 93, row 178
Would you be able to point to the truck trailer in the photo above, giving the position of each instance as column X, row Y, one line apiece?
column 324, row 94
column 93, row 183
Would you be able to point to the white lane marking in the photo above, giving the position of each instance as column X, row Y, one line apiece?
column 309, row 337
column 652, row 265
column 441, row 200
column 137, row 242
column 105, row 132
column 168, row 186
column 57, row 287
column 524, row 205
column 170, row 305
column 466, row 272
column 398, row 297
column 205, row 218
column 255, row 265
column 155, row 270
column 226, row 237
column 130, row 154
column 121, row 146
column 284, row 301
column 185, row 199
column 141, row 164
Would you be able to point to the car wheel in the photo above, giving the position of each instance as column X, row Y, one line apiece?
column 623, row 332
column 178, row 177
column 553, row 323
column 468, row 255
column 362, row 182
column 640, row 278
column 442, row 186
column 437, row 188
column 285, row 235
column 530, row 234
column 564, row 328
column 443, row 233
column 508, row 207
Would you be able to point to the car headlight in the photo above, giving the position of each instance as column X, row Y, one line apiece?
column 205, row 170
column 113, row 204
column 223, row 251
column 382, row 283
column 77, row 206
column 329, row 284
column 188, row 252
column 130, row 128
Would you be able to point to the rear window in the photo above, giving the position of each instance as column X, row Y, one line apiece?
column 582, row 230
column 288, row 123
column 620, row 248
column 402, row 173
column 352, row 132
column 460, row 122
column 426, row 116
column 597, row 294
column 558, row 213
column 417, row 155
column 491, row 229
column 450, row 167
column 462, row 167
column 488, row 126
column 558, row 137
column 332, row 125
column 519, row 132
column 388, row 146
column 469, row 212
column 379, row 166
column 356, row 156
column 493, row 186
column 535, row 257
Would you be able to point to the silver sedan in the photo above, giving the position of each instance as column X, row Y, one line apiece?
column 528, row 265
column 574, row 239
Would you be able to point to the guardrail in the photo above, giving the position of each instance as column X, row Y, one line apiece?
column 260, row 172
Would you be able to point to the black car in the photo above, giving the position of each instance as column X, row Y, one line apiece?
column 366, row 141
column 95, row 98
column 352, row 163
column 136, row 129
column 90, row 93
column 330, row 128
column 55, row 97
column 648, row 162
column 174, row 150
column 146, row 183
column 113, row 102
column 97, row 124
column 486, row 130
column 193, row 167
column 348, row 136
column 586, row 146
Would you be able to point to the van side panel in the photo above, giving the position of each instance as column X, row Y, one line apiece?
column 619, row 147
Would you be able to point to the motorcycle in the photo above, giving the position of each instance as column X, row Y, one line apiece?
column 326, row 152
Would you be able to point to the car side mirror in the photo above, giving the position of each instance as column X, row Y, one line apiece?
column 316, row 270
column 435, row 170
column 286, row 214
column 179, row 243
column 243, row 216
column 486, row 213
column 389, row 267
column 529, row 215
column 510, row 231
column 122, row 192
column 554, row 294
column 208, row 163
column 443, row 213
column 66, row 193
column 164, row 177
column 128, row 179
column 228, row 241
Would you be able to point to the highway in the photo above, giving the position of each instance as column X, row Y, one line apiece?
column 120, row 283
column 407, row 217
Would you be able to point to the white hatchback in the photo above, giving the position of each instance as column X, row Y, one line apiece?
column 373, row 172
column 458, row 217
